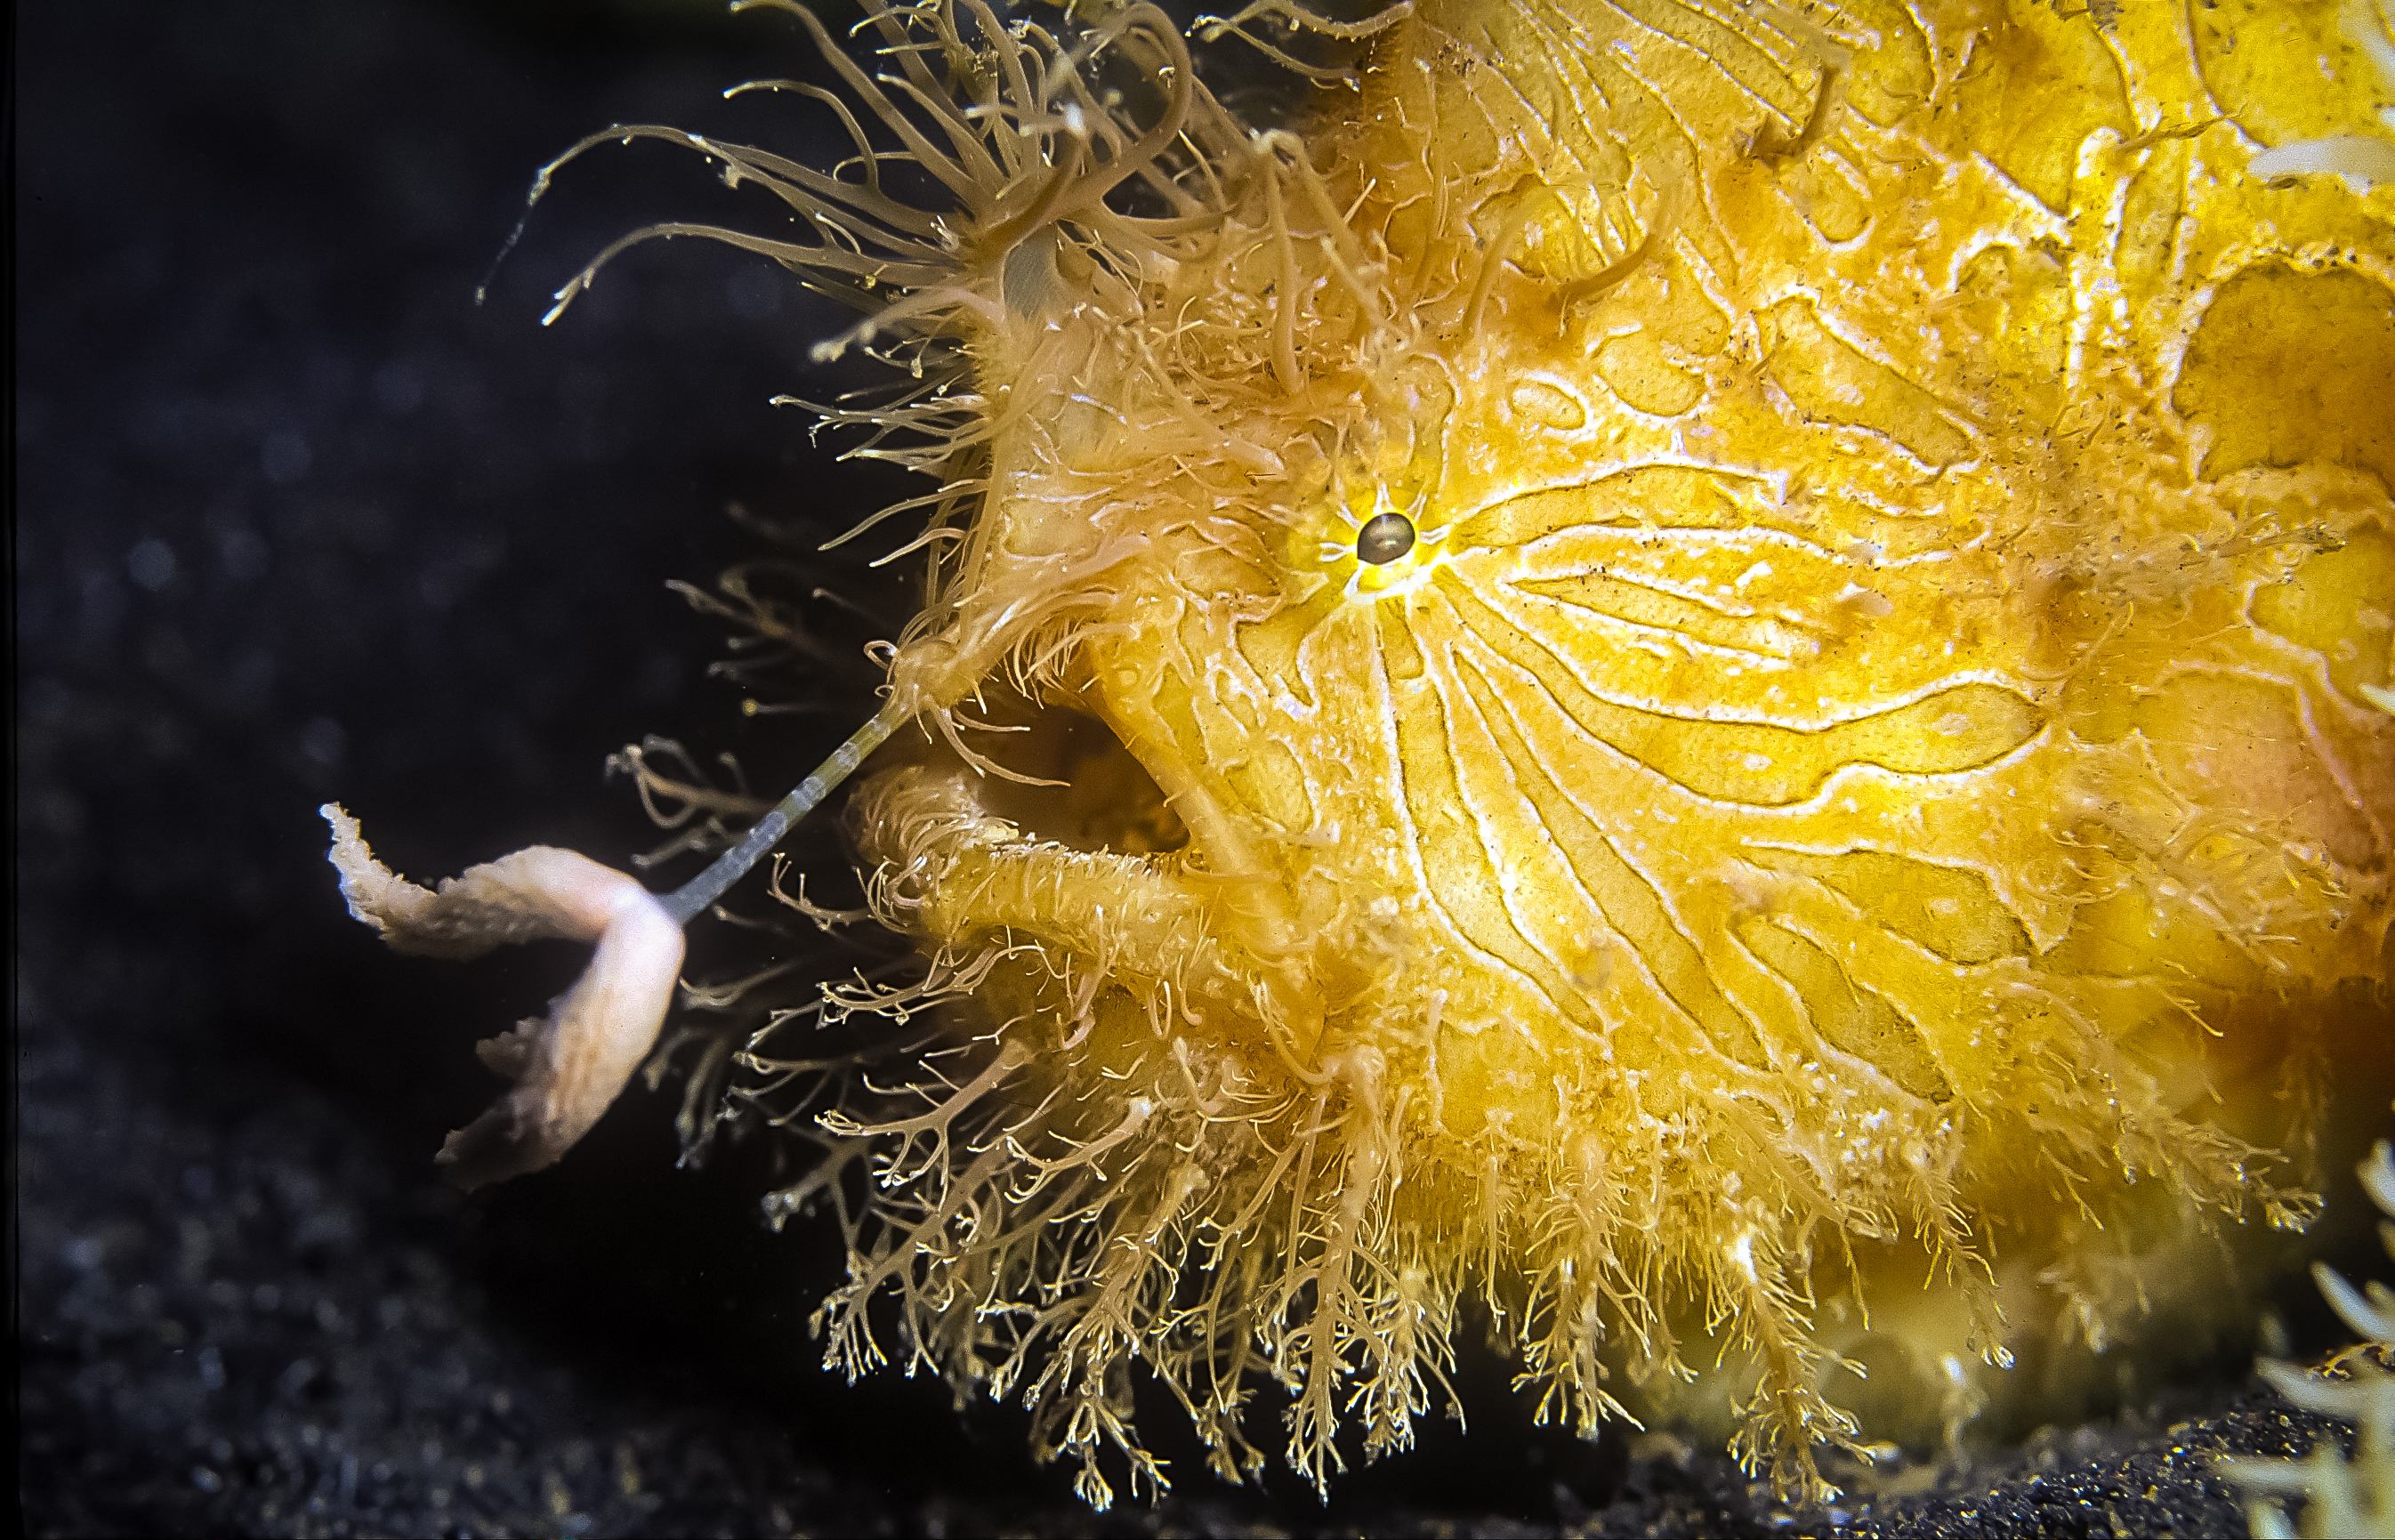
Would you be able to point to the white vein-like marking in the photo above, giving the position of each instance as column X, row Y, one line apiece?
column 1608, row 469
column 1574, row 613
column 1692, row 713
column 1679, row 541
column 1539, row 116
column 1867, row 345
column 1432, row 703
column 2324, row 750
column 1597, row 823
column 1658, row 27
column 1620, row 56
column 1506, row 860
column 1411, row 841
column 1438, row 645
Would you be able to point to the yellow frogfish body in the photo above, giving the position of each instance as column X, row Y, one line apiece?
column 1706, row 684
column 1857, row 825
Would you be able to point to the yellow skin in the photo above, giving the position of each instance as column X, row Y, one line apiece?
column 1876, row 771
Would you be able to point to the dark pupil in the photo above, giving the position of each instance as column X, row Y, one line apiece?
column 1388, row 537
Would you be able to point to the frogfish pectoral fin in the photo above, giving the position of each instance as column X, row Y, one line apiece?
column 568, row 1066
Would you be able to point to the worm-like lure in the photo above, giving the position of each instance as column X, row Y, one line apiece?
column 1710, row 678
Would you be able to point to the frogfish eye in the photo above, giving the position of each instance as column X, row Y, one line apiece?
column 1384, row 538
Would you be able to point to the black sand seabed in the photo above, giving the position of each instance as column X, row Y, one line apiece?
column 296, row 519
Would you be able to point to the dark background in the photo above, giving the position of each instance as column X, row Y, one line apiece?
column 296, row 520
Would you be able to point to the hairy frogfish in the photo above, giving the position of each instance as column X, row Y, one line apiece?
column 1702, row 684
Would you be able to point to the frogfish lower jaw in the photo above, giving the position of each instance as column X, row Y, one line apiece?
column 1051, row 838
